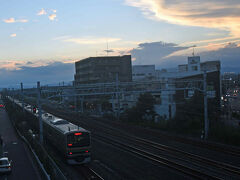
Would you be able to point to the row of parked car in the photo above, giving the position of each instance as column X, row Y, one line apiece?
column 5, row 163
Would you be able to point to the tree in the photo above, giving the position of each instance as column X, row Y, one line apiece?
column 146, row 103
column 144, row 106
column 190, row 113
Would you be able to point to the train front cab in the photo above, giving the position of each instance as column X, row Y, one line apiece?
column 78, row 148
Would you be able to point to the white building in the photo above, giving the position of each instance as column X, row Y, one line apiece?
column 143, row 72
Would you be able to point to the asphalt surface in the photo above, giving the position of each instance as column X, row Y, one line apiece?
column 23, row 167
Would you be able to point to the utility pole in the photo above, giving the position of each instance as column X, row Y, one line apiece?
column 13, row 93
column 75, row 98
column 40, row 113
column 229, row 108
column 22, row 96
column 117, row 94
column 206, row 122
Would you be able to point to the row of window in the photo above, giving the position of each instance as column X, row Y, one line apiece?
column 142, row 74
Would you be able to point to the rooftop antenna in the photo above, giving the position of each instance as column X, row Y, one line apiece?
column 193, row 51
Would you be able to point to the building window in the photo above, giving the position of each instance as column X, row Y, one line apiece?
column 194, row 68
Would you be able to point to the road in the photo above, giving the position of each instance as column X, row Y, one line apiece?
column 23, row 166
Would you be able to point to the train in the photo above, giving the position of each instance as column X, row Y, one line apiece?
column 71, row 141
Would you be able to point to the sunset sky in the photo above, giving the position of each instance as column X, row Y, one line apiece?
column 39, row 33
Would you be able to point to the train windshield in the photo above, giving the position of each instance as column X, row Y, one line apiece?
column 78, row 139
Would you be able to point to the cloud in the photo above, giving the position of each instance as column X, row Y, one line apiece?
column 16, row 65
column 91, row 40
column 166, row 55
column 206, row 41
column 8, row 65
column 10, row 20
column 218, row 14
column 52, row 72
column 52, row 17
column 13, row 20
column 61, row 37
column 229, row 55
column 28, row 72
column 29, row 63
column 22, row 20
column 41, row 12
column 13, row 35
column 154, row 52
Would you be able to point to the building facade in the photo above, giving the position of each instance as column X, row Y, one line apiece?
column 143, row 72
column 192, row 71
column 103, row 69
column 169, row 87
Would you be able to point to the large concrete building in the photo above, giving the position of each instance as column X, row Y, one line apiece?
column 103, row 69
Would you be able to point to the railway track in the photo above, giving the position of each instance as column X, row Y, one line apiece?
column 200, row 161
column 199, row 143
column 220, row 165
column 73, row 172
column 217, row 167
column 186, row 160
column 186, row 169
column 234, row 151
column 191, row 172
column 88, row 173
column 70, row 172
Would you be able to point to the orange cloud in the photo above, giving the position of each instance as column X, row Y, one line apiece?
column 10, row 20
column 41, row 12
column 214, row 46
column 17, row 65
column 13, row 35
column 9, row 65
column 214, row 14
column 52, row 17
column 13, row 20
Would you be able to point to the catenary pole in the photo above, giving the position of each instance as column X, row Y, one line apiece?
column 40, row 113
column 206, row 122
column 22, row 96
column 117, row 94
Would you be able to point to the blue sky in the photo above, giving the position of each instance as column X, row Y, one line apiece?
column 46, row 31
column 40, row 38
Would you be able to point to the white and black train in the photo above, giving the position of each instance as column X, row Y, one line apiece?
column 72, row 141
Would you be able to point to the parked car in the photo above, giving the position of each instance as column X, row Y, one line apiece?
column 5, row 165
